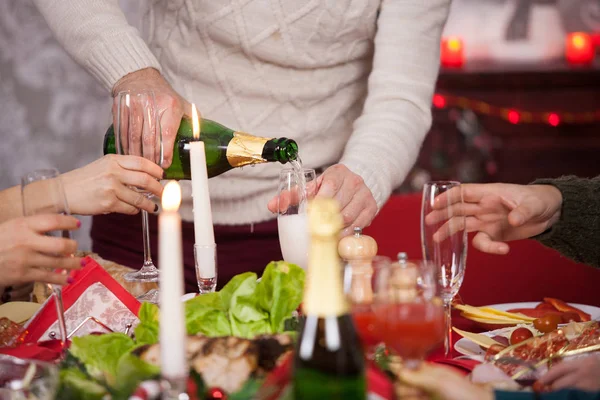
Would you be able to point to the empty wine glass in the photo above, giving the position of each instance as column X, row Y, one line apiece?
column 296, row 187
column 137, row 132
column 42, row 193
column 444, row 242
column 409, row 313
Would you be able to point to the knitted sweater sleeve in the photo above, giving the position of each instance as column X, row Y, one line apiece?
column 396, row 116
column 97, row 35
column 577, row 231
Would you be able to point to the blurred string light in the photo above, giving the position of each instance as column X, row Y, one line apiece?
column 516, row 116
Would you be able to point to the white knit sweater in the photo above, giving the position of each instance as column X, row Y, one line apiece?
column 350, row 80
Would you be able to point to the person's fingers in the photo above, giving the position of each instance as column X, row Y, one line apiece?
column 330, row 185
column 350, row 191
column 39, row 260
column 363, row 220
column 169, row 124
column 141, row 164
column 483, row 242
column 529, row 209
column 272, row 204
column 453, row 226
column 570, row 380
column 454, row 210
column 362, row 205
column 135, row 128
column 41, row 275
column 52, row 245
column 143, row 181
column 557, row 371
column 449, row 198
column 43, row 223
column 131, row 201
column 121, row 122
column 149, row 128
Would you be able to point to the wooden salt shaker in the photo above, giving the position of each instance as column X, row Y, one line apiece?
column 358, row 251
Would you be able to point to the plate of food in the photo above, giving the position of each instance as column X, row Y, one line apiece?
column 499, row 316
column 509, row 322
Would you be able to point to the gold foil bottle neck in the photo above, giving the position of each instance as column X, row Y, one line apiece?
column 245, row 149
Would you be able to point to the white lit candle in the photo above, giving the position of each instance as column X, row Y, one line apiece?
column 203, row 226
column 170, row 257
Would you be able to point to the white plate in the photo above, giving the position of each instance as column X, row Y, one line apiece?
column 467, row 347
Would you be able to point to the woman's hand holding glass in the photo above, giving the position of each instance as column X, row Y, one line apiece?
column 106, row 185
column 27, row 254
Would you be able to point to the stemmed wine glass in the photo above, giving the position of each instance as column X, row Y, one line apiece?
column 361, row 291
column 137, row 132
column 42, row 192
column 444, row 242
column 296, row 187
column 409, row 313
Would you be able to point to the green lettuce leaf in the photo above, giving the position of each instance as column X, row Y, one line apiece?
column 207, row 315
column 146, row 332
column 101, row 354
column 279, row 292
column 132, row 371
column 76, row 385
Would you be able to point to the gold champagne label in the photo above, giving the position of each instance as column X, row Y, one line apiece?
column 323, row 291
column 245, row 149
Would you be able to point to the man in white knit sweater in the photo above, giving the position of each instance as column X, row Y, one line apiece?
column 350, row 81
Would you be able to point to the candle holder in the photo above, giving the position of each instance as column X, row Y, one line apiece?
column 205, row 260
column 174, row 388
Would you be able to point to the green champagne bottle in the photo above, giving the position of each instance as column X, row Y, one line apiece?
column 225, row 149
column 328, row 362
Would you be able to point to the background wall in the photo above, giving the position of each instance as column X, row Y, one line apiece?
column 52, row 113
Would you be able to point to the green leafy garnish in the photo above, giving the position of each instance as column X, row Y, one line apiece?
column 101, row 354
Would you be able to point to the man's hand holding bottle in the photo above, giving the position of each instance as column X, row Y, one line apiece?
column 170, row 105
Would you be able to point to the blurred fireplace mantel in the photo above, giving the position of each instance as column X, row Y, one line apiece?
column 525, row 151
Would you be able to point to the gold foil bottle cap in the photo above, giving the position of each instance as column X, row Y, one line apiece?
column 324, row 217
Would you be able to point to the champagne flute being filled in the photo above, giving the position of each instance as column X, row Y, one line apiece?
column 296, row 187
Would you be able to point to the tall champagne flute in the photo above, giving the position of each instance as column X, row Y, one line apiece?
column 296, row 187
column 444, row 242
column 137, row 132
column 42, row 192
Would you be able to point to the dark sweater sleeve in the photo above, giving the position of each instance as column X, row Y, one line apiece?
column 577, row 233
column 566, row 394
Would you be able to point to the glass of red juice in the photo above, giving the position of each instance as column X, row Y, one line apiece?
column 409, row 315
column 360, row 290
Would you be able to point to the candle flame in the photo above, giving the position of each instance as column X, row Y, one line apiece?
column 195, row 123
column 171, row 197
column 578, row 40
column 454, row 43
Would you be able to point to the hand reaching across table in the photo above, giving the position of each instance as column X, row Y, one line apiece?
column 582, row 373
column 498, row 213
column 28, row 255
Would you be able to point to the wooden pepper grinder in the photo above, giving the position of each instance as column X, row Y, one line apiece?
column 404, row 281
column 358, row 251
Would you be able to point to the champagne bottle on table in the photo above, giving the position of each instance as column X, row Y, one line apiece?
column 225, row 149
column 328, row 362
